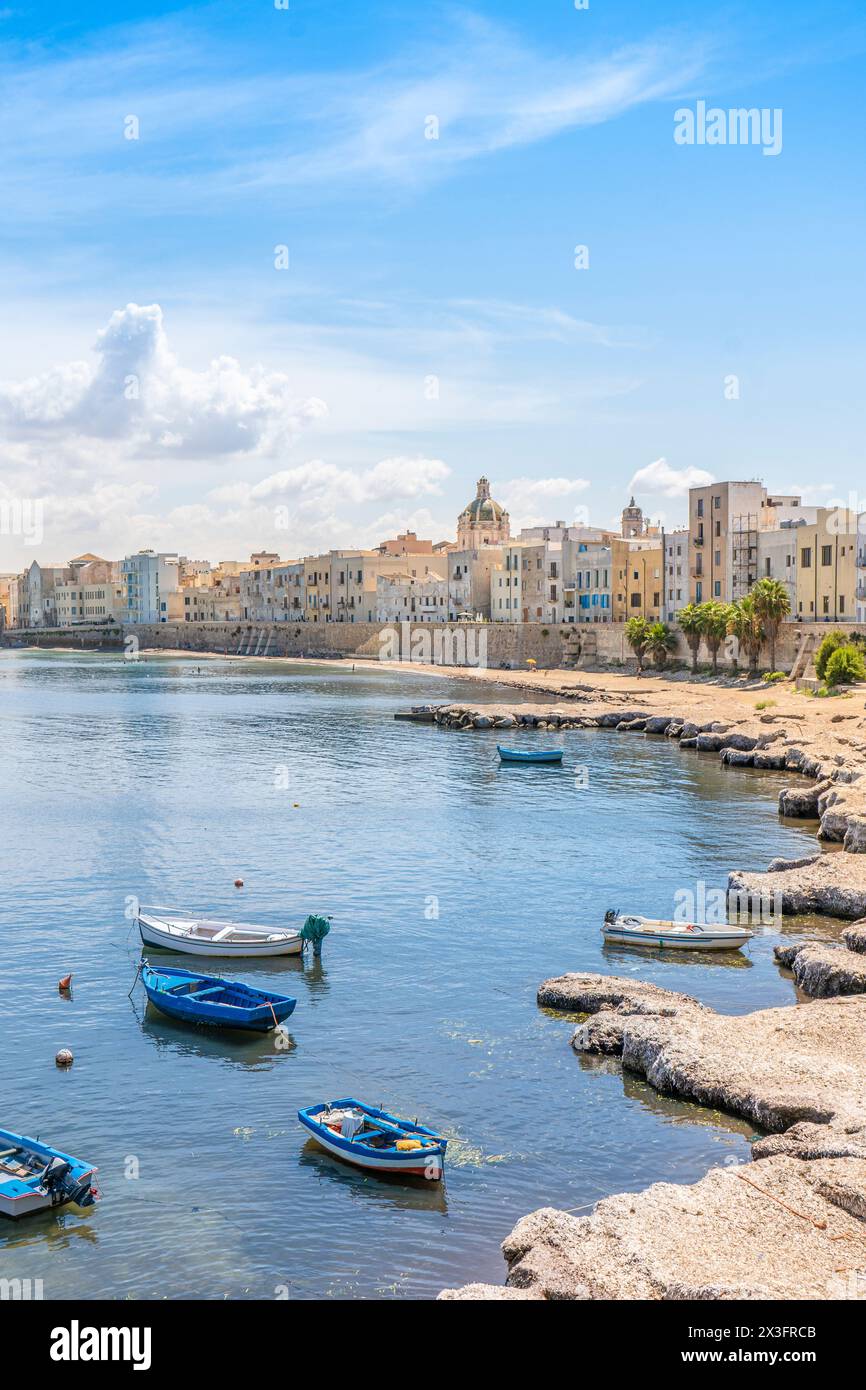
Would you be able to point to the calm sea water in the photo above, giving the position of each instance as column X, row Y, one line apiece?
column 456, row 886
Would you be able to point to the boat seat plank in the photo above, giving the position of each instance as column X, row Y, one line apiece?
column 200, row 993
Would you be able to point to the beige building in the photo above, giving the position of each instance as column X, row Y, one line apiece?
column 725, row 521
column 638, row 581
column 94, row 592
column 588, row 597
column 827, row 574
column 341, row 585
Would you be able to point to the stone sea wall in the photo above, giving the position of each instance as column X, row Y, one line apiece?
column 462, row 644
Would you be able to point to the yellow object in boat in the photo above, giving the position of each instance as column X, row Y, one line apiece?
column 404, row 1145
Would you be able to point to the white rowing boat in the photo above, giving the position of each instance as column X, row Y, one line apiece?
column 628, row 929
column 204, row 936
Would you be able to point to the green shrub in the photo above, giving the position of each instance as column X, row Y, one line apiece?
column 845, row 666
column 771, row 676
column 831, row 643
column 764, row 704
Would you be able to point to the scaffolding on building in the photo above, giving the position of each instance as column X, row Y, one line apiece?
column 744, row 554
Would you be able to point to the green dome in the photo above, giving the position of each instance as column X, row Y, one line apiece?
column 482, row 509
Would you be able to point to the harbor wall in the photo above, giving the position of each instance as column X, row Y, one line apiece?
column 460, row 644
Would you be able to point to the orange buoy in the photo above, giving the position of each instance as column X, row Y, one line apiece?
column 239, row 883
column 65, row 984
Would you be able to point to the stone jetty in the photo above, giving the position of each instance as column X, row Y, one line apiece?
column 791, row 1224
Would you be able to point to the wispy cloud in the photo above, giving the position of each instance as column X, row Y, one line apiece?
column 211, row 130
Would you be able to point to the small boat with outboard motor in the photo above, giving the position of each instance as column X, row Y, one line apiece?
column 175, row 930
column 36, row 1177
column 629, row 929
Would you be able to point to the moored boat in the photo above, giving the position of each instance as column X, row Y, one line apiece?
column 628, row 929
column 35, row 1177
column 192, row 998
column 372, row 1139
column 540, row 755
column 204, row 936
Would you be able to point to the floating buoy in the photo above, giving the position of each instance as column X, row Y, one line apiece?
column 65, row 984
column 64, row 1057
column 297, row 805
column 239, row 883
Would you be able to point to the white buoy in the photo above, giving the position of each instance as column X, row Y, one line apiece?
column 64, row 1057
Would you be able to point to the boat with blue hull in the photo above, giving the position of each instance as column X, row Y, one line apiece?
column 372, row 1139
column 35, row 1177
column 540, row 755
column 219, row 1003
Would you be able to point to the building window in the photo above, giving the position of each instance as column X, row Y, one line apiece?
column 717, row 588
column 806, row 557
column 826, row 554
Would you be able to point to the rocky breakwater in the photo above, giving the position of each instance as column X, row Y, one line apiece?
column 790, row 1224
column 831, row 764
column 822, row 969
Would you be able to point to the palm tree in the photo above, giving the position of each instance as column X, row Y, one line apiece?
column 660, row 642
column 772, row 605
column 745, row 624
column 689, row 619
column 636, row 631
column 714, row 626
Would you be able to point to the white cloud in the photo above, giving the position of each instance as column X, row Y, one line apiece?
column 137, row 394
column 661, row 479
column 533, row 501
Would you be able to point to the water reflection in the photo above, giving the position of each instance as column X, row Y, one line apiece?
column 404, row 1193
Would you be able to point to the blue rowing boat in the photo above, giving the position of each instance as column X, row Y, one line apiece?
column 517, row 755
column 35, row 1177
column 372, row 1139
column 206, row 999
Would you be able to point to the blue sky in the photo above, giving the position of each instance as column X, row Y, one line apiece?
column 309, row 391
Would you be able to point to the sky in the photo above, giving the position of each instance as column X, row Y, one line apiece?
column 293, row 275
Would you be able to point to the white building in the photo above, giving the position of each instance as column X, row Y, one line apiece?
column 149, row 580
column 408, row 598
column 676, row 573
column 590, row 587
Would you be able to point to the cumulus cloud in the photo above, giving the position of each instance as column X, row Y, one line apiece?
column 662, row 480
column 136, row 394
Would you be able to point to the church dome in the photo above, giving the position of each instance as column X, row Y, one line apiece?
column 483, row 509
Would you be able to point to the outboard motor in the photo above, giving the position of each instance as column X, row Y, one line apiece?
column 610, row 916
column 314, row 931
column 57, row 1179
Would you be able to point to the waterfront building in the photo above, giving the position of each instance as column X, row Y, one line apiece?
column 341, row 585
column 149, row 580
column 38, row 606
column 637, row 564
column 10, row 590
column 404, row 597
column 588, row 591
column 675, row 589
column 483, row 522
column 861, row 568
column 273, row 593
column 827, row 573
column 93, row 592
column 725, row 521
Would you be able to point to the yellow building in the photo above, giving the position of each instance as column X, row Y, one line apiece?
column 827, row 567
column 637, row 581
